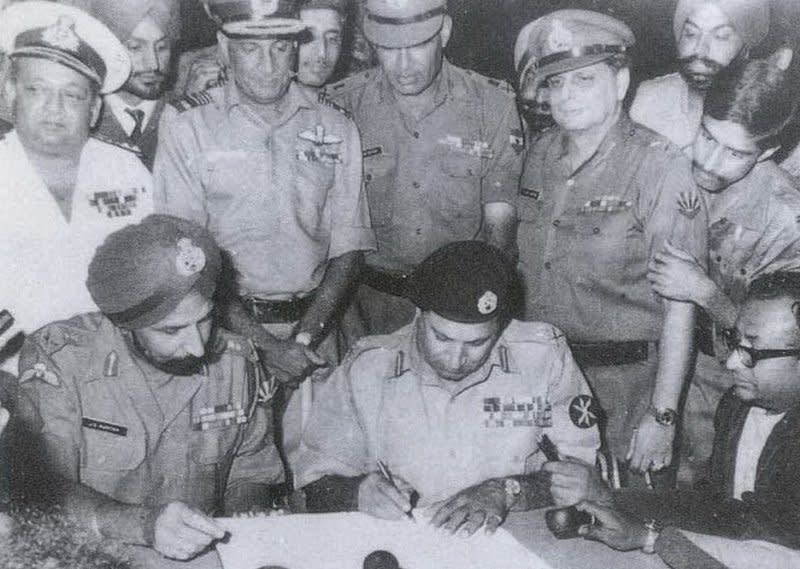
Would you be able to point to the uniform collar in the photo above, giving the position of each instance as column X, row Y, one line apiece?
column 620, row 130
column 293, row 100
column 750, row 194
column 499, row 358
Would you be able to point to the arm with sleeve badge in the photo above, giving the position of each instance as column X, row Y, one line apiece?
column 178, row 188
column 334, row 455
column 501, row 179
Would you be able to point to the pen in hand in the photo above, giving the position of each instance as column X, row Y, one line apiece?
column 413, row 496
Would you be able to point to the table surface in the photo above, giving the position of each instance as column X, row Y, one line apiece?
column 528, row 527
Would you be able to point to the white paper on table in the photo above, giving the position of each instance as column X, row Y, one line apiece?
column 342, row 541
column 746, row 554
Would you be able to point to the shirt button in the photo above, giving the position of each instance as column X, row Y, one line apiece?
column 719, row 258
column 418, row 231
column 416, row 134
column 743, row 271
column 570, row 183
column 547, row 265
column 556, row 222
column 452, row 453
column 596, row 230
column 368, row 177
column 415, row 184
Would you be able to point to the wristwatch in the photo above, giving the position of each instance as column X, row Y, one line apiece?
column 664, row 416
column 653, row 531
column 513, row 489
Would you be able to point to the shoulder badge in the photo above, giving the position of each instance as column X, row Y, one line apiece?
column 584, row 411
column 42, row 372
column 118, row 143
column 688, row 204
column 323, row 99
column 192, row 100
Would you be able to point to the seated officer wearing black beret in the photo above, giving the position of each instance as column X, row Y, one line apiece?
column 148, row 418
column 452, row 404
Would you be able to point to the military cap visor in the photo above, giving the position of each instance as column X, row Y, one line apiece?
column 68, row 36
column 389, row 30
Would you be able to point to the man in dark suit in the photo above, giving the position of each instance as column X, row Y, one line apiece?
column 148, row 28
column 753, row 491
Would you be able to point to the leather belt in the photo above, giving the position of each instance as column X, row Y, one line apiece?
column 610, row 353
column 390, row 283
column 276, row 311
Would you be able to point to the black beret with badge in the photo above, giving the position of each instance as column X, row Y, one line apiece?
column 465, row 281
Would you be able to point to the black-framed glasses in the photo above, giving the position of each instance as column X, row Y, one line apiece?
column 751, row 356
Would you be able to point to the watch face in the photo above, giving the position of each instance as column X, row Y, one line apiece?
column 666, row 417
column 512, row 486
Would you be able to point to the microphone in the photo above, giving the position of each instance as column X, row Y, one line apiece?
column 381, row 559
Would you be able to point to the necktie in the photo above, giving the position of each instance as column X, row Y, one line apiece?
column 138, row 117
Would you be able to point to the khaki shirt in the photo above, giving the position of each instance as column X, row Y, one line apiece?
column 282, row 198
column 112, row 422
column 754, row 229
column 667, row 105
column 385, row 403
column 428, row 179
column 586, row 237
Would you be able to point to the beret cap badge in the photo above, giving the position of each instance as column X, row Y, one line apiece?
column 62, row 34
column 487, row 303
column 560, row 38
column 190, row 259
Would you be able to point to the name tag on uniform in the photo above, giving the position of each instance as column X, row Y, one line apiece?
column 98, row 425
column 529, row 193
column 220, row 416
column 503, row 412
column 374, row 151
column 116, row 203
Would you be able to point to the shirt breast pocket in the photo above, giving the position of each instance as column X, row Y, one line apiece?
column 314, row 182
column 211, row 446
column 379, row 180
column 108, row 452
column 461, row 165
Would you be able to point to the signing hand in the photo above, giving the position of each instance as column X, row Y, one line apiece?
column 615, row 529
column 181, row 532
column 651, row 446
column 572, row 481
column 291, row 362
column 677, row 275
column 484, row 503
column 380, row 498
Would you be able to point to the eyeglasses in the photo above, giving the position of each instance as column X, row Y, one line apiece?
column 751, row 356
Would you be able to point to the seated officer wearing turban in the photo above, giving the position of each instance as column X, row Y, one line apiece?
column 452, row 404
column 148, row 418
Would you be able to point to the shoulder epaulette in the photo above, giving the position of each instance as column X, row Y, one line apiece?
column 501, row 85
column 324, row 100
column 118, row 143
column 349, row 83
column 192, row 100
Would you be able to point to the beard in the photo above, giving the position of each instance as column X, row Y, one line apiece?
column 148, row 86
column 709, row 181
column 699, row 72
column 184, row 366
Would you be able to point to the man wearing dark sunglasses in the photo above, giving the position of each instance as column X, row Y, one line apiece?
column 752, row 490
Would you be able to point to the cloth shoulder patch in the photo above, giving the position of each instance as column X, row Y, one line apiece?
column 689, row 204
column 324, row 100
column 118, row 143
column 584, row 411
column 192, row 100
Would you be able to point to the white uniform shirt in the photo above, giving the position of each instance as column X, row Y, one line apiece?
column 757, row 428
column 45, row 257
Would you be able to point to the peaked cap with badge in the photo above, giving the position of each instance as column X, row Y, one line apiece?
column 565, row 40
column 66, row 35
column 465, row 281
column 122, row 17
column 264, row 19
column 403, row 23
column 143, row 271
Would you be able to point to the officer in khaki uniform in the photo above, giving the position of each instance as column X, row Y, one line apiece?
column 147, row 418
column 754, row 213
column 275, row 174
column 442, row 151
column 453, row 403
column 600, row 195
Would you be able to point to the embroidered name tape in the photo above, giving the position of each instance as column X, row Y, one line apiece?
column 97, row 425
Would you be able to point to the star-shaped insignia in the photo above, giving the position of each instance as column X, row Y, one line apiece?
column 584, row 411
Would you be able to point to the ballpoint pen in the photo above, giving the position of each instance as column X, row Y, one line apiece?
column 387, row 474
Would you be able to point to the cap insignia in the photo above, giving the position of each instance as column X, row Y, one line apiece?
column 559, row 38
column 62, row 34
column 190, row 259
column 487, row 303
column 263, row 8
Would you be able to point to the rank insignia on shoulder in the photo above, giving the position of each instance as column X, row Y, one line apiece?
column 111, row 365
column 584, row 411
column 318, row 146
column 605, row 204
column 324, row 100
column 192, row 100
column 116, row 203
column 688, row 204
column 477, row 148
column 40, row 371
